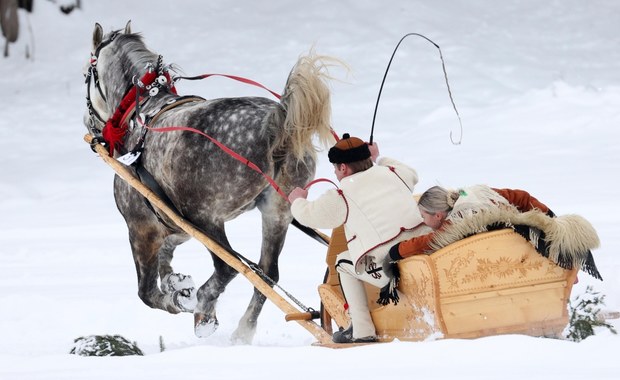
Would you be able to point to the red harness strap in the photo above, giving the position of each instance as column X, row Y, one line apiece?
column 337, row 189
column 320, row 180
column 250, row 82
column 226, row 149
column 239, row 79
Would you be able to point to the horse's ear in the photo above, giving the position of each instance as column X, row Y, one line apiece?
column 97, row 35
column 128, row 27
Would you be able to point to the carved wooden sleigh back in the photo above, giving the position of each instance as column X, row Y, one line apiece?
column 487, row 284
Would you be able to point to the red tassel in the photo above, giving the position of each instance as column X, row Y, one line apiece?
column 113, row 133
column 113, row 136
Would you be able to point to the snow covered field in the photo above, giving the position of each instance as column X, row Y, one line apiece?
column 537, row 86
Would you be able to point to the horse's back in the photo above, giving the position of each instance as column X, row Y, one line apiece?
column 241, row 124
column 207, row 162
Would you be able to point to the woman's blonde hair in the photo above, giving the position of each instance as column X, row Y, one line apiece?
column 437, row 199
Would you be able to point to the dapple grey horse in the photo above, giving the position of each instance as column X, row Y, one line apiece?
column 205, row 184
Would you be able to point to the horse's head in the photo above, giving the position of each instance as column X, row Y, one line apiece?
column 116, row 58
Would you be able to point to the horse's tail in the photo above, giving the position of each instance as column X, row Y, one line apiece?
column 307, row 104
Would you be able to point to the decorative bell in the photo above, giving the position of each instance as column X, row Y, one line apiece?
column 162, row 80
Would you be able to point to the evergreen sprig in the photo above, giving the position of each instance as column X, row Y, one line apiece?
column 584, row 315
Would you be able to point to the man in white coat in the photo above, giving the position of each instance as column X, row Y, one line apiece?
column 376, row 206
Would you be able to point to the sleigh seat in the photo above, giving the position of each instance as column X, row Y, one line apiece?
column 487, row 284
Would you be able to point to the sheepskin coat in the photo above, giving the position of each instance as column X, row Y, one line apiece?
column 567, row 240
column 472, row 200
column 376, row 207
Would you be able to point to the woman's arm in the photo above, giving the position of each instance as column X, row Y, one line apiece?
column 415, row 246
column 522, row 200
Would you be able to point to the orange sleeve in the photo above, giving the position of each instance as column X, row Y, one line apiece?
column 522, row 200
column 415, row 246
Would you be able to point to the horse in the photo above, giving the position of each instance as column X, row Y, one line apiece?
column 193, row 173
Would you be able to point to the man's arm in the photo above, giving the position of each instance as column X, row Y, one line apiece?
column 328, row 211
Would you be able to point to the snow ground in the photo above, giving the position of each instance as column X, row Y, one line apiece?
column 536, row 84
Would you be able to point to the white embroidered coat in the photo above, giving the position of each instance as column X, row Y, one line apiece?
column 376, row 207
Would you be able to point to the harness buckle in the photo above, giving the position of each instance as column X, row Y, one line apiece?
column 137, row 82
column 97, row 140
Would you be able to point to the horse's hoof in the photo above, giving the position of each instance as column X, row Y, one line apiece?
column 204, row 326
column 176, row 281
column 242, row 337
column 185, row 299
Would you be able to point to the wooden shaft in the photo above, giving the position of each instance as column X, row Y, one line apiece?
column 298, row 317
column 322, row 235
column 223, row 254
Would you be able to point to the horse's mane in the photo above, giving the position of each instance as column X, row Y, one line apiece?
column 134, row 52
column 129, row 60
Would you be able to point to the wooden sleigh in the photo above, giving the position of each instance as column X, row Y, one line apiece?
column 488, row 284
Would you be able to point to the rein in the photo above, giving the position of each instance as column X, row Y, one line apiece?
column 338, row 190
column 226, row 149
column 246, row 81
column 233, row 77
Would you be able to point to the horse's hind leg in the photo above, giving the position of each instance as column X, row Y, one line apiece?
column 276, row 220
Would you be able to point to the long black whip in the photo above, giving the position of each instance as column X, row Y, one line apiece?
column 445, row 74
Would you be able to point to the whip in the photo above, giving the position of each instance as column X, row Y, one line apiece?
column 445, row 74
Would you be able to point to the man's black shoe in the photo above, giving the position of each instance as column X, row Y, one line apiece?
column 346, row 336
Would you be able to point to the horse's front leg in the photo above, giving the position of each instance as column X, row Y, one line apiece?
column 179, row 285
column 148, row 237
column 205, row 318
column 274, row 233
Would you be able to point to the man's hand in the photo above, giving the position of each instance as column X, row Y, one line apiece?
column 374, row 151
column 389, row 262
column 388, row 266
column 297, row 193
